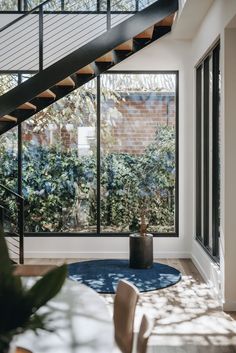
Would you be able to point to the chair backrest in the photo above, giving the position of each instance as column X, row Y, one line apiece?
column 125, row 302
column 144, row 334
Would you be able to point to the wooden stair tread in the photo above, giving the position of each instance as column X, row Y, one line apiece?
column 86, row 70
column 146, row 34
column 168, row 21
column 126, row 45
column 105, row 58
column 47, row 94
column 67, row 82
column 8, row 118
column 27, row 106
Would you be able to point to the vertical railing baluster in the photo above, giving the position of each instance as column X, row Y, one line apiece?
column 40, row 38
column 21, row 201
column 1, row 216
column 108, row 14
column 62, row 5
column 136, row 5
column 21, row 230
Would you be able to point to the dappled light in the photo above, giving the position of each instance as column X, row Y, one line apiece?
column 188, row 318
column 103, row 275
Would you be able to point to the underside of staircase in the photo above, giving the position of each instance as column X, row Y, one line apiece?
column 86, row 63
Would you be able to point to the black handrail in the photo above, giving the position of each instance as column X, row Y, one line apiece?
column 20, row 222
column 24, row 15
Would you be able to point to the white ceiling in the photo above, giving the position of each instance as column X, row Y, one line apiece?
column 190, row 17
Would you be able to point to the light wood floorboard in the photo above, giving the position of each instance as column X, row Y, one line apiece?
column 187, row 317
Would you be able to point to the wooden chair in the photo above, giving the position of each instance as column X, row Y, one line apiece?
column 22, row 350
column 32, row 270
column 144, row 334
column 125, row 302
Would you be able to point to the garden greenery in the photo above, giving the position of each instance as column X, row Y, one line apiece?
column 60, row 187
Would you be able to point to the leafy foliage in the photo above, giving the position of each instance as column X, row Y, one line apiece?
column 8, row 5
column 60, row 187
column 18, row 305
column 143, row 184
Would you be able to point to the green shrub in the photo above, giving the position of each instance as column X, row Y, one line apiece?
column 60, row 187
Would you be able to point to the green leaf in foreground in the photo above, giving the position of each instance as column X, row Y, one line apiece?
column 47, row 287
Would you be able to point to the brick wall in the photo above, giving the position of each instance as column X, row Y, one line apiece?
column 133, row 129
column 140, row 116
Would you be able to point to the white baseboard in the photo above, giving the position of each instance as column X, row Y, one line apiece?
column 200, row 268
column 98, row 255
column 210, row 276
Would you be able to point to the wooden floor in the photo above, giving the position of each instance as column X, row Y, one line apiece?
column 187, row 317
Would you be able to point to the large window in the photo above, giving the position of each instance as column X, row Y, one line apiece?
column 96, row 161
column 207, row 152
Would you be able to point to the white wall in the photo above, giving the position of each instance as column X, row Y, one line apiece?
column 229, row 196
column 213, row 28
column 165, row 54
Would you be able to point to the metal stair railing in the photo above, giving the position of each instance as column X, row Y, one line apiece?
column 91, row 52
column 12, row 222
column 41, row 37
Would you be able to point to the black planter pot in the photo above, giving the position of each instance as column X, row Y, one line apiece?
column 140, row 251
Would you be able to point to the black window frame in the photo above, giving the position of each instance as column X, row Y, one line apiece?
column 203, row 146
column 99, row 233
column 22, row 8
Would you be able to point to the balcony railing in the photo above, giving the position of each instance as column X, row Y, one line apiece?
column 44, row 35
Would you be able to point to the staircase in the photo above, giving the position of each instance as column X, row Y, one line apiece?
column 120, row 39
column 75, row 61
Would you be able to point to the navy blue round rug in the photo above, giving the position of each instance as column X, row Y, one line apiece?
column 103, row 275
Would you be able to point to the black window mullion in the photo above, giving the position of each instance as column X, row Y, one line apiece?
column 206, row 152
column 215, row 154
column 19, row 5
column 19, row 181
column 98, row 155
column 199, row 153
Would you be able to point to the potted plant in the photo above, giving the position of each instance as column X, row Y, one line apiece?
column 147, row 186
column 154, row 174
column 141, row 246
column 19, row 305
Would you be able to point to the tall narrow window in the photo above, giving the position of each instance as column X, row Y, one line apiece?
column 59, row 165
column 207, row 152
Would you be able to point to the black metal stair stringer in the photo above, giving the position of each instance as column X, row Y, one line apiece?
column 86, row 54
column 81, row 79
